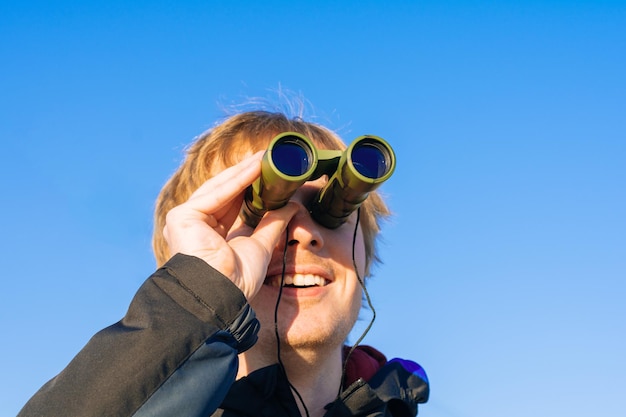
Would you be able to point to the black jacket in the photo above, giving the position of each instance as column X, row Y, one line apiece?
column 175, row 354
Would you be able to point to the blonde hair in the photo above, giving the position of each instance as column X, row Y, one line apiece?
column 228, row 143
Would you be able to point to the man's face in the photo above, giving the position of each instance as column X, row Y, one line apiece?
column 321, row 297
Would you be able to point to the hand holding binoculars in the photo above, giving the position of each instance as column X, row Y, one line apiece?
column 291, row 159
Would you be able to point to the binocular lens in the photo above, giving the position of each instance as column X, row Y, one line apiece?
column 371, row 159
column 292, row 156
column 292, row 159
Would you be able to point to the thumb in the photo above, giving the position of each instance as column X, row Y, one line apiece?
column 271, row 227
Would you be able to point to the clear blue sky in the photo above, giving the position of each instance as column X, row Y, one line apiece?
column 505, row 263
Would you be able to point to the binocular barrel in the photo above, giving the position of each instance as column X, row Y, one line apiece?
column 291, row 160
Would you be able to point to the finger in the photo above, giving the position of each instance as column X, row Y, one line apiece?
column 272, row 226
column 229, row 215
column 220, row 190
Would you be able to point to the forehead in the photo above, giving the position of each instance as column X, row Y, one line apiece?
column 246, row 145
column 224, row 151
column 319, row 136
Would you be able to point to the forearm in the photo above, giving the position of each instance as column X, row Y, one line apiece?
column 186, row 318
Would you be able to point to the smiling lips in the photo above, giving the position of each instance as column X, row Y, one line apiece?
column 297, row 280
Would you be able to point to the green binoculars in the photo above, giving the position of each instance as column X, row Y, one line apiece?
column 291, row 159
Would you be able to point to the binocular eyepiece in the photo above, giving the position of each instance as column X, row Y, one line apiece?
column 291, row 159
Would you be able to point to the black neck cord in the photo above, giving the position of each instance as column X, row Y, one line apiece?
column 359, row 340
column 280, row 293
column 367, row 298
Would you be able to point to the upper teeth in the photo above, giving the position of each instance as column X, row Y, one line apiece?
column 300, row 280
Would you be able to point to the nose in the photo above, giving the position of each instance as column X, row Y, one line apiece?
column 302, row 229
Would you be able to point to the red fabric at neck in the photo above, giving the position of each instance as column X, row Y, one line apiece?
column 364, row 362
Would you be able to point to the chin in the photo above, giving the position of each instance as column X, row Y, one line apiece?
column 307, row 333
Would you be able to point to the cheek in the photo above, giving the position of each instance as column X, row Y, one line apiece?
column 353, row 285
column 359, row 254
column 357, row 301
column 352, row 309
column 340, row 244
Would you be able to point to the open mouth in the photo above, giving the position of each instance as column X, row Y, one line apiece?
column 297, row 281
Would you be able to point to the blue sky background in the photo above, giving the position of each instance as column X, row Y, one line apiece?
column 505, row 263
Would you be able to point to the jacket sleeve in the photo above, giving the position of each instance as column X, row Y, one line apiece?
column 173, row 353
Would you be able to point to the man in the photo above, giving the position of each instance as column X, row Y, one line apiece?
column 241, row 321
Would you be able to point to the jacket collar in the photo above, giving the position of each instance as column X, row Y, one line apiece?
column 374, row 387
